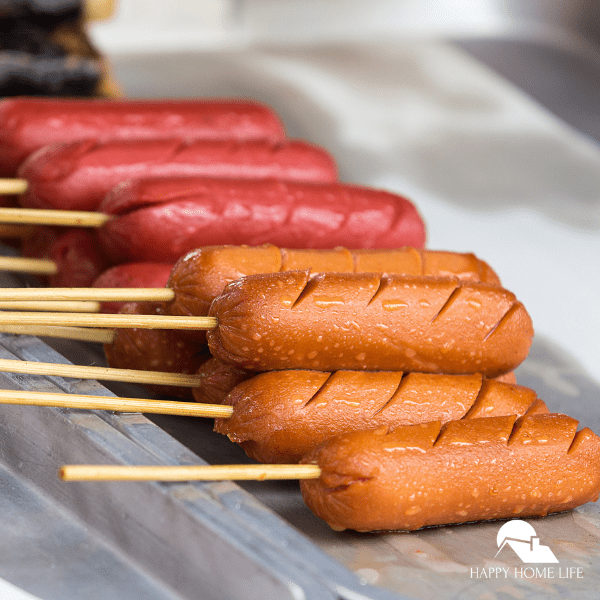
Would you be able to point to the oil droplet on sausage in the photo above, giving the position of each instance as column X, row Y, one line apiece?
column 393, row 305
column 326, row 301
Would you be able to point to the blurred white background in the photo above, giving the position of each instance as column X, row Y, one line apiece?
column 155, row 25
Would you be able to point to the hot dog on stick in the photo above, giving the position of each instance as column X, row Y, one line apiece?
column 161, row 219
column 337, row 321
column 422, row 475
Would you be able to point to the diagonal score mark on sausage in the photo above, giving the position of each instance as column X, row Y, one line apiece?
column 312, row 283
column 544, row 430
column 504, row 319
column 477, row 401
column 468, row 432
column 395, row 394
column 449, row 301
column 319, row 392
column 381, row 285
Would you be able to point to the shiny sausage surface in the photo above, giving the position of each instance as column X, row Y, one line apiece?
column 217, row 380
column 337, row 321
column 27, row 124
column 78, row 175
column 132, row 275
column 163, row 219
column 469, row 470
column 279, row 416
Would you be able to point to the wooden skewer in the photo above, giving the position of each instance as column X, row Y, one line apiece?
column 143, row 405
column 13, row 186
column 102, row 373
column 92, row 294
column 187, row 473
column 118, row 321
column 52, row 306
column 82, row 334
column 40, row 216
column 28, row 265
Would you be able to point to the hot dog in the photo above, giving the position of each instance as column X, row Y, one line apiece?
column 78, row 175
column 132, row 275
column 279, row 416
column 200, row 276
column 337, row 321
column 155, row 350
column 162, row 219
column 27, row 124
column 469, row 470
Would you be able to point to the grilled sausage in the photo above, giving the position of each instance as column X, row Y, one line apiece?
column 132, row 275
column 200, row 276
column 370, row 322
column 27, row 124
column 155, row 350
column 469, row 470
column 162, row 219
column 279, row 416
column 78, row 175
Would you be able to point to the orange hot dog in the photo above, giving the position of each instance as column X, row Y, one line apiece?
column 470, row 470
column 279, row 416
column 201, row 275
column 155, row 350
column 369, row 322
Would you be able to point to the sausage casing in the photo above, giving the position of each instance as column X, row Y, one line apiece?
column 469, row 470
column 217, row 380
column 163, row 219
column 200, row 276
column 338, row 321
column 132, row 275
column 279, row 416
column 78, row 258
column 155, row 350
column 77, row 175
column 27, row 124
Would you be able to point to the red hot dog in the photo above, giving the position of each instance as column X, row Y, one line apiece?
column 76, row 253
column 337, row 321
column 78, row 175
column 27, row 124
column 469, row 470
column 162, row 219
column 132, row 275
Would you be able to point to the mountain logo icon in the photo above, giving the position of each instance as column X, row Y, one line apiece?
column 522, row 538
